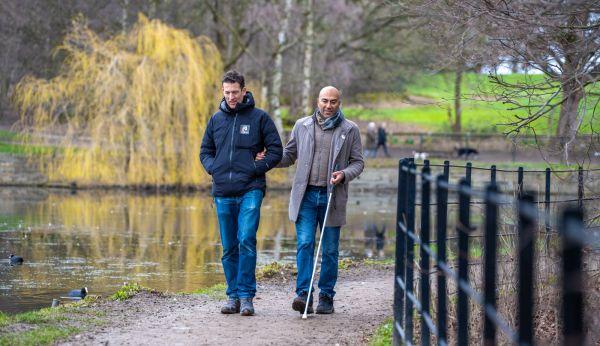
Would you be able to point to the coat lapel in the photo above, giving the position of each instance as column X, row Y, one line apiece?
column 309, row 124
column 339, row 137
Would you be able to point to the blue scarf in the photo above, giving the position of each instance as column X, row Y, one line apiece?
column 331, row 122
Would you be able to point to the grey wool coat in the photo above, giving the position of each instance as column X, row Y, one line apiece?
column 346, row 152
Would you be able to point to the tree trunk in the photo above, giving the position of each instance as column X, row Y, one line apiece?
column 308, row 46
column 278, row 69
column 456, row 126
column 568, row 122
column 514, row 66
column 152, row 9
column 124, row 9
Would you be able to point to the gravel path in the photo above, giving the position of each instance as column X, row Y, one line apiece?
column 363, row 302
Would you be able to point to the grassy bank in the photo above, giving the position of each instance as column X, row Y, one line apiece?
column 481, row 112
column 383, row 334
column 47, row 325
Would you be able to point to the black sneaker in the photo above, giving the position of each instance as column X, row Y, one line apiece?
column 299, row 303
column 325, row 305
column 232, row 306
column 247, row 307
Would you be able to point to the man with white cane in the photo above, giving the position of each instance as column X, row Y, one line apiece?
column 328, row 150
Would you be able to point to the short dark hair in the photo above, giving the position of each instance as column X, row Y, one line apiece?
column 233, row 76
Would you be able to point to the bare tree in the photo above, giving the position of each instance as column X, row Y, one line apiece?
column 282, row 45
column 309, row 33
column 560, row 40
column 455, row 45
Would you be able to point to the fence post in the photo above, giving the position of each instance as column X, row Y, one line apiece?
column 547, row 201
column 410, row 250
column 520, row 182
column 462, row 228
column 493, row 175
column 441, row 224
column 527, row 225
column 468, row 173
column 580, row 187
column 513, row 150
column 571, row 228
column 400, row 240
column 425, row 230
column 447, row 170
column 491, row 229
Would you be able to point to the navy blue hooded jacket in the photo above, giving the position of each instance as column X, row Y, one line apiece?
column 231, row 141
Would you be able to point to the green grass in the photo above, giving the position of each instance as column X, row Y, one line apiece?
column 441, row 85
column 215, row 291
column 8, row 135
column 480, row 115
column 4, row 319
column 127, row 291
column 346, row 263
column 46, row 325
column 383, row 334
column 477, row 117
column 11, row 148
column 379, row 262
column 9, row 144
column 393, row 163
column 40, row 316
column 271, row 270
column 41, row 336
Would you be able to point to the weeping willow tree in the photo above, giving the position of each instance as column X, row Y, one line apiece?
column 129, row 110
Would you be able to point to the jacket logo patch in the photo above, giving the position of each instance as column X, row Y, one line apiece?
column 245, row 129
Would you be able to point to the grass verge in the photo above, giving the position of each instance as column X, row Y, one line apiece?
column 10, row 148
column 216, row 291
column 40, row 336
column 127, row 291
column 46, row 326
column 383, row 334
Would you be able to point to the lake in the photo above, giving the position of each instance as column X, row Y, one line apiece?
column 101, row 239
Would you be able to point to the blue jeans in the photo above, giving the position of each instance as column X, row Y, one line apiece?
column 312, row 212
column 238, row 223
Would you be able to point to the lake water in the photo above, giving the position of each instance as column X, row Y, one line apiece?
column 100, row 240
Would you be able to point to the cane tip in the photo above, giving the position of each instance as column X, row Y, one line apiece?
column 304, row 316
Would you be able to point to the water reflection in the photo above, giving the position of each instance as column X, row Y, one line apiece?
column 171, row 243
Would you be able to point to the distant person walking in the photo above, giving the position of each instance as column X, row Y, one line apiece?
column 328, row 150
column 371, row 143
column 382, row 139
column 233, row 136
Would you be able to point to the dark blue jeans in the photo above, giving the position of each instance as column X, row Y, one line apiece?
column 312, row 212
column 238, row 223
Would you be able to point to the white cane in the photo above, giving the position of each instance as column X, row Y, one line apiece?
column 304, row 316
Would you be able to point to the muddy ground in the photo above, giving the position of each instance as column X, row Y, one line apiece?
column 363, row 302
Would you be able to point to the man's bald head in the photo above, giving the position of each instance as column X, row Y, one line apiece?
column 329, row 101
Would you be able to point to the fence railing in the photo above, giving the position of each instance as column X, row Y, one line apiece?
column 409, row 236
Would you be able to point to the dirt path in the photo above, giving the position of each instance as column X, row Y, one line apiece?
column 363, row 302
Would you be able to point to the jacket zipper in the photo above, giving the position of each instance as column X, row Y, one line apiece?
column 231, row 146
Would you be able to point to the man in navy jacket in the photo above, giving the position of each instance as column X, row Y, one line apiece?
column 233, row 137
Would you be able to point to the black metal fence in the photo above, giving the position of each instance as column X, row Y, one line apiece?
column 434, row 321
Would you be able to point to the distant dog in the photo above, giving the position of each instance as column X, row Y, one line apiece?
column 466, row 152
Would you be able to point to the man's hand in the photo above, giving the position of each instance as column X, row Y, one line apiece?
column 337, row 177
column 260, row 155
